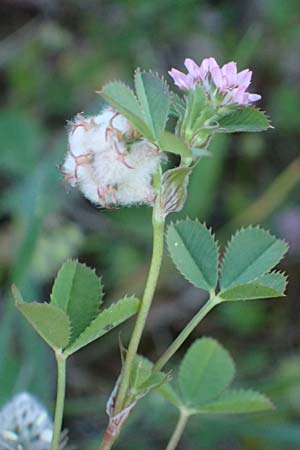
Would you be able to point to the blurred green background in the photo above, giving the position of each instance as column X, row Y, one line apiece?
column 54, row 55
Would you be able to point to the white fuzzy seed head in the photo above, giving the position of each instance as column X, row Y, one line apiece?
column 109, row 161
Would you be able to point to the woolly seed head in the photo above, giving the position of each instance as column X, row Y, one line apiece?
column 25, row 425
column 109, row 161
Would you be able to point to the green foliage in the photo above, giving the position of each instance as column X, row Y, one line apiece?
column 275, row 280
column 105, row 321
column 143, row 379
column 196, row 104
column 170, row 394
column 243, row 119
column 124, row 100
column 268, row 286
column 75, row 300
column 238, row 401
column 251, row 253
column 154, row 98
column 194, row 252
column 177, row 105
column 78, row 291
column 52, row 323
column 206, row 370
column 204, row 377
column 45, row 75
column 148, row 110
column 169, row 142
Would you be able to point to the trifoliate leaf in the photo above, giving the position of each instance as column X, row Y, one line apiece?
column 270, row 285
column 251, row 253
column 194, row 252
column 78, row 292
column 105, row 321
column 154, row 97
column 247, row 119
column 123, row 99
column 237, row 402
column 205, row 372
column 49, row 321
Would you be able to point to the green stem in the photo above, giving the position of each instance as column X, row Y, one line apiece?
column 208, row 306
column 158, row 243
column 60, row 399
column 178, row 432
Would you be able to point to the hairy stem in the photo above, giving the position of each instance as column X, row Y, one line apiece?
column 60, row 399
column 178, row 432
column 158, row 242
column 208, row 306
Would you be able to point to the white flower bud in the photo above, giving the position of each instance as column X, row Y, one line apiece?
column 109, row 162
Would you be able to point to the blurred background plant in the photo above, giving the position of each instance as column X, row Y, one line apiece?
column 54, row 55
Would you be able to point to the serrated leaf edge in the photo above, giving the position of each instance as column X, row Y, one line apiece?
column 188, row 219
column 280, row 272
column 17, row 303
column 92, row 269
column 101, row 292
column 201, row 410
column 240, row 231
column 161, row 78
column 266, row 115
column 120, row 82
column 70, row 344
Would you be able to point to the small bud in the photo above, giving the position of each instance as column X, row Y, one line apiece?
column 174, row 189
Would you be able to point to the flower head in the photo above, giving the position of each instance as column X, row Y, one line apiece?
column 224, row 84
column 109, row 162
column 25, row 425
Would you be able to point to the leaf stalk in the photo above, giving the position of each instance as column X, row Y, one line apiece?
column 60, row 399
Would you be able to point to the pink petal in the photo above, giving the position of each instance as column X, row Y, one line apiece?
column 181, row 80
column 244, row 78
column 217, row 77
column 237, row 96
column 254, row 97
column 245, row 100
column 205, row 64
column 212, row 63
column 204, row 68
column 229, row 71
column 192, row 67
